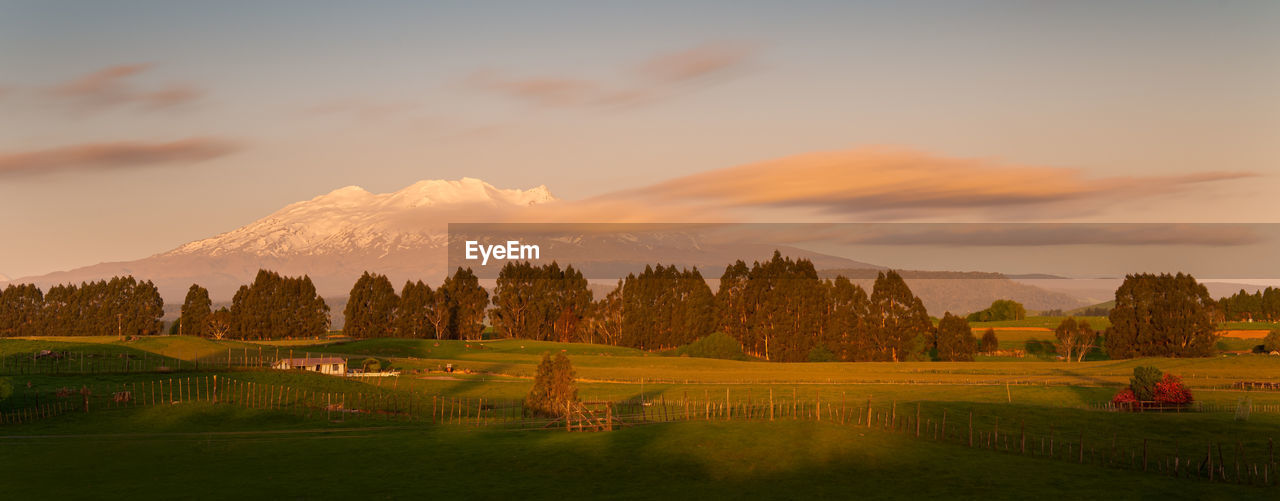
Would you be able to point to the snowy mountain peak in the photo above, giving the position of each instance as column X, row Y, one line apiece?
column 351, row 219
column 465, row 190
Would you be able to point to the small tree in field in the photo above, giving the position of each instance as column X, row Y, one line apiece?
column 553, row 387
column 989, row 341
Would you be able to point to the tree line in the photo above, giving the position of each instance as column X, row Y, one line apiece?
column 454, row 311
column 1263, row 305
column 273, row 306
column 777, row 310
column 121, row 306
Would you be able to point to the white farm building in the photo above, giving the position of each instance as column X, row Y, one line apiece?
column 324, row 365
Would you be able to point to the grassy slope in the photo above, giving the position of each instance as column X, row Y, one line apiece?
column 759, row 460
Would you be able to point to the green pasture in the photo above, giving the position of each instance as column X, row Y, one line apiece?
column 221, row 451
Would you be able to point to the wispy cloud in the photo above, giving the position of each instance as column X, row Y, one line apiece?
column 898, row 183
column 656, row 78
column 113, row 155
column 114, row 86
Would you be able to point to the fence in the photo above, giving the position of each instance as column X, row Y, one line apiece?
column 1215, row 460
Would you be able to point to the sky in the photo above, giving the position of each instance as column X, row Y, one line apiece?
column 130, row 128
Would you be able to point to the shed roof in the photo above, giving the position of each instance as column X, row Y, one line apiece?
column 313, row 361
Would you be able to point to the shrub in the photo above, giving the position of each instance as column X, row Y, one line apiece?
column 1143, row 383
column 6, row 389
column 553, row 387
column 1170, row 390
column 821, row 354
column 1125, row 397
column 715, row 345
column 371, row 365
column 1040, row 349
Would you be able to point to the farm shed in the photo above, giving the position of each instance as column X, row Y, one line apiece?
column 323, row 365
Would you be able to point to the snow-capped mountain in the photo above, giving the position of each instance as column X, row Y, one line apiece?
column 351, row 219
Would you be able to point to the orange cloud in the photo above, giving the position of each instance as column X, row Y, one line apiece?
column 115, row 155
column 111, row 86
column 897, row 182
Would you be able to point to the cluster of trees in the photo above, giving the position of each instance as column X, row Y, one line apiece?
column 662, row 307
column 1075, row 338
column 272, row 307
column 543, row 303
column 121, row 306
column 1161, row 316
column 453, row 311
column 777, row 310
column 1263, row 305
column 1000, row 309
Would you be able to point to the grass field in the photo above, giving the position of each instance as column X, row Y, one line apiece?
column 214, row 445
column 759, row 460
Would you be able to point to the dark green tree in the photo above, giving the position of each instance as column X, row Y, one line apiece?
column 411, row 317
column 990, row 343
column 195, row 312
column 275, row 307
column 1161, row 316
column 371, row 307
column 899, row 320
column 554, row 388
column 21, row 308
column 955, row 339
column 467, row 300
column 1143, row 383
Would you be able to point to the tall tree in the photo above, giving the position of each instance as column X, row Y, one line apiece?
column 606, row 318
column 196, row 309
column 20, row 310
column 899, row 320
column 848, row 333
column 371, row 307
column 955, row 339
column 411, row 318
column 468, row 300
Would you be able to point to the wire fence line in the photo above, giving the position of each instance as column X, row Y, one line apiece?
column 1233, row 461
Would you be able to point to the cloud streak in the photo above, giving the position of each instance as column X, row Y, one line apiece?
column 898, row 183
column 113, row 156
column 113, row 86
column 656, row 78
